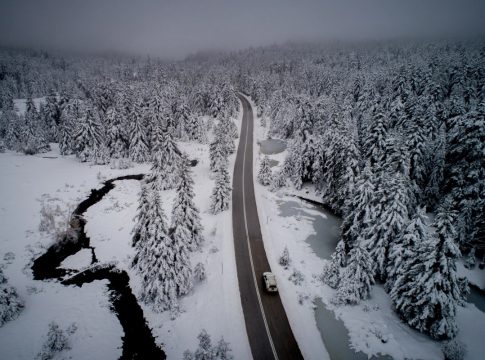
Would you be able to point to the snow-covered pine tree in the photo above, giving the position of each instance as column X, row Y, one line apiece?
column 402, row 253
column 264, row 174
column 357, row 278
column 88, row 137
column 163, row 262
column 427, row 299
column 65, row 134
column 186, row 225
column 10, row 303
column 434, row 183
column 205, row 350
column 218, row 152
column 348, row 175
column 299, row 158
column 360, row 212
column 464, row 171
column 222, row 351
column 165, row 160
column 116, row 134
column 285, row 258
column 331, row 270
column 391, row 217
column 195, row 129
column 33, row 137
column 221, row 194
column 199, row 272
column 138, row 150
column 52, row 116
column 142, row 217
column 375, row 140
column 13, row 135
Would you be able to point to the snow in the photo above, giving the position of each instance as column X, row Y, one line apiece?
column 475, row 276
column 364, row 322
column 78, row 261
column 21, row 104
column 26, row 180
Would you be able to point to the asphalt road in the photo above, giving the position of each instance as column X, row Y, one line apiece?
column 269, row 331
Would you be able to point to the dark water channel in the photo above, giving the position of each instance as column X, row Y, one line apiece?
column 138, row 341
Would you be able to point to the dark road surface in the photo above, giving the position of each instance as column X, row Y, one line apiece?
column 269, row 331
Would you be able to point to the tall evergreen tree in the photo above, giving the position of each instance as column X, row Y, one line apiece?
column 142, row 217
column 429, row 293
column 357, row 277
column 52, row 116
column 117, row 137
column 264, row 174
column 375, row 141
column 391, row 217
column 165, row 160
column 360, row 213
column 218, row 153
column 138, row 150
column 163, row 262
column 402, row 253
column 221, row 194
column 186, row 225
column 88, row 137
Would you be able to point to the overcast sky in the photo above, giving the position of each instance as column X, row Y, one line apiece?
column 175, row 28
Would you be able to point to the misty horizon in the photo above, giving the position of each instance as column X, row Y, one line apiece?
column 171, row 29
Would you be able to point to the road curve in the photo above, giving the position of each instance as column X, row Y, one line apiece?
column 267, row 326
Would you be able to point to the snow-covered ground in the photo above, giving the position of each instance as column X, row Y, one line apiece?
column 24, row 182
column 20, row 105
column 28, row 181
column 366, row 323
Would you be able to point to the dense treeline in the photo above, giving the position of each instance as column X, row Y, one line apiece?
column 386, row 133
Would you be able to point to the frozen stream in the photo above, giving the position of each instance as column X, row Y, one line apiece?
column 323, row 242
column 272, row 146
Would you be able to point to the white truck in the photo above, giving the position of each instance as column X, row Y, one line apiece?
column 269, row 282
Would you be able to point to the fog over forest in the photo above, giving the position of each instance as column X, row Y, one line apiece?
column 172, row 28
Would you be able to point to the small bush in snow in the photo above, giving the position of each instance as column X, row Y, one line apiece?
column 330, row 274
column 2, row 146
column 285, row 258
column 10, row 303
column 47, row 219
column 57, row 341
column 278, row 180
column 199, row 272
column 302, row 298
column 454, row 350
column 206, row 351
column 53, row 220
column 296, row 277
column 188, row 355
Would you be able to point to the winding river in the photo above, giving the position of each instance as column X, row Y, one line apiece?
column 138, row 341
